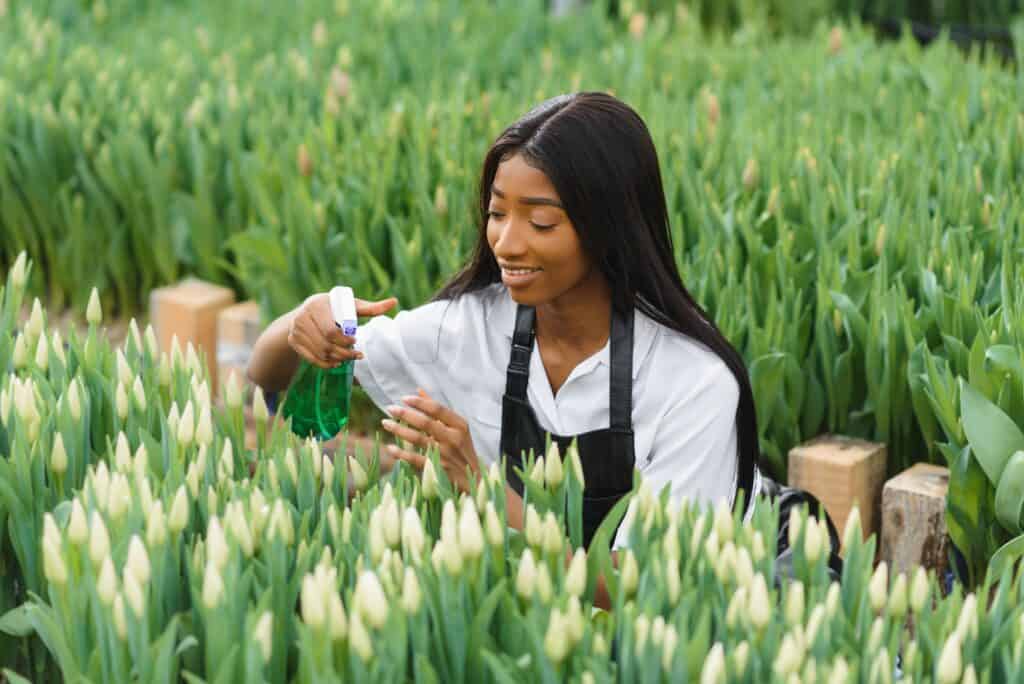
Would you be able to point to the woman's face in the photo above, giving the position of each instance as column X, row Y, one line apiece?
column 531, row 236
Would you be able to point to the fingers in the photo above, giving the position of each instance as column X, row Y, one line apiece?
column 432, row 426
column 425, row 404
column 365, row 308
column 417, row 461
column 407, row 433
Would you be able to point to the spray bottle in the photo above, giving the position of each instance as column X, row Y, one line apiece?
column 318, row 399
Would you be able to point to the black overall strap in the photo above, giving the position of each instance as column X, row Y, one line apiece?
column 620, row 406
column 518, row 374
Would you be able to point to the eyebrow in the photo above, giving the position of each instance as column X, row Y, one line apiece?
column 542, row 201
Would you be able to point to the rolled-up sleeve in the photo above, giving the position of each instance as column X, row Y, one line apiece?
column 694, row 447
column 402, row 353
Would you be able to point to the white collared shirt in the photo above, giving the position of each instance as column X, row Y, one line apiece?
column 684, row 395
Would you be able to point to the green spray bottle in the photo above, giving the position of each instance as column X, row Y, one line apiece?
column 318, row 399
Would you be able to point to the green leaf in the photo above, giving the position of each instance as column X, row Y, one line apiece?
column 16, row 621
column 14, row 678
column 992, row 434
column 1006, row 554
column 1010, row 494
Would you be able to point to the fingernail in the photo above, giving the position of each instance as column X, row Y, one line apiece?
column 392, row 449
column 409, row 397
column 393, row 410
column 388, row 423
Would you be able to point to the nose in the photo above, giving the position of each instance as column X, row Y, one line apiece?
column 511, row 238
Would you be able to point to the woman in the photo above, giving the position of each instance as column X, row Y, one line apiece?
column 570, row 319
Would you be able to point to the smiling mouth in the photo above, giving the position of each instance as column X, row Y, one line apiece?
column 519, row 271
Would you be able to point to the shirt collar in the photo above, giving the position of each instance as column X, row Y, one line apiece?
column 501, row 314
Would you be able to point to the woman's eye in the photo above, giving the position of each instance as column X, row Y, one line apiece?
column 494, row 214
column 541, row 226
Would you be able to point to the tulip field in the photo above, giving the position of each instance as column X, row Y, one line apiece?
column 848, row 211
column 142, row 541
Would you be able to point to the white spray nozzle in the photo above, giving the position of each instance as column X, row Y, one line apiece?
column 343, row 307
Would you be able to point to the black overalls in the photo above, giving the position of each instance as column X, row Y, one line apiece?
column 606, row 455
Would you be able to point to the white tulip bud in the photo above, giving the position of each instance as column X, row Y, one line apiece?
column 19, row 356
column 19, row 272
column 106, row 585
column 576, row 577
column 370, row 601
column 740, row 656
column 919, row 590
column 600, row 644
column 898, row 597
column 122, row 453
column 411, row 597
column 794, row 610
column 134, row 594
column 99, row 540
column 536, row 473
column 78, row 528
column 556, row 642
column 93, row 312
column 789, row 657
column 795, row 521
column 630, row 575
column 760, row 606
column 177, row 519
column 117, row 611
column 552, row 537
column 137, row 562
column 336, row 616
column 163, row 371
column 967, row 623
column 192, row 360
column 216, row 544
column 575, row 465
column 413, row 540
column 711, row 547
column 58, row 456
column 360, row 480
column 744, row 567
column 213, row 587
column 875, row 635
column 878, row 587
column 74, row 401
column 813, row 541
column 54, row 568
column 359, row 638
column 314, row 612
column 186, row 425
column 970, row 675
column 391, row 522
column 204, row 430
column 156, row 525
column 260, row 412
column 526, row 576
column 814, row 622
column 494, row 477
column 493, row 527
column 533, row 527
column 713, row 671
column 124, row 371
column 950, row 665
column 451, row 556
column 641, row 630
column 673, row 582
column 139, row 394
column 852, row 529
column 723, row 521
column 553, row 473
column 42, row 353
column 57, row 344
column 431, row 487
column 263, row 635
column 471, row 535
column 34, row 327
column 151, row 344
column 832, row 599
column 119, row 497
column 136, row 336
column 192, row 479
column 233, row 392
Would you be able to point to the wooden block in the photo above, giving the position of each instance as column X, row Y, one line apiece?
column 841, row 471
column 238, row 327
column 189, row 310
column 914, row 519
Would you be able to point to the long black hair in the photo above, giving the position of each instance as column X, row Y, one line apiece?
column 599, row 155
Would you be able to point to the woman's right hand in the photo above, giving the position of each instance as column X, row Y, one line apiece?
column 314, row 336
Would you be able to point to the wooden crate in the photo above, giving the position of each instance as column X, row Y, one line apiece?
column 914, row 519
column 238, row 327
column 841, row 471
column 189, row 310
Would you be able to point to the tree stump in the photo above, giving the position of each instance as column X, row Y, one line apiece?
column 914, row 519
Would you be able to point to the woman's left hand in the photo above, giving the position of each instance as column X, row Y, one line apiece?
column 430, row 424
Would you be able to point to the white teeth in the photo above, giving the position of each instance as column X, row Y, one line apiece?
column 520, row 271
